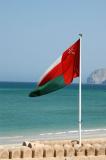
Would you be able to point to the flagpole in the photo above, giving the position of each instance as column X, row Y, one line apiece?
column 80, row 92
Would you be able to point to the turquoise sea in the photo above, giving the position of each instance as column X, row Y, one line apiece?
column 57, row 111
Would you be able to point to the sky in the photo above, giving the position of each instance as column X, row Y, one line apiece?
column 34, row 33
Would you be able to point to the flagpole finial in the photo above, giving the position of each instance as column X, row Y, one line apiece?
column 80, row 34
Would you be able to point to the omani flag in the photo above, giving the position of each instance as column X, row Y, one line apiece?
column 61, row 73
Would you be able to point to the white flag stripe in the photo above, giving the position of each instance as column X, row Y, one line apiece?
column 52, row 66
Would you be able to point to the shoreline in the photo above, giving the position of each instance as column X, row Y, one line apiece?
column 62, row 135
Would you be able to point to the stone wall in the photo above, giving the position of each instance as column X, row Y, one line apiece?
column 57, row 149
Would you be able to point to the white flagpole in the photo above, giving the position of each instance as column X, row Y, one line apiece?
column 80, row 93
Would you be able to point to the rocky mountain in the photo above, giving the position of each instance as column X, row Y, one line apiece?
column 97, row 77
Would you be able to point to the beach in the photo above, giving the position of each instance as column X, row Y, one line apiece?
column 56, row 146
column 52, row 80
column 93, row 148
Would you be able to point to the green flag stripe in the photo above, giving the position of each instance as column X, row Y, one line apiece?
column 50, row 86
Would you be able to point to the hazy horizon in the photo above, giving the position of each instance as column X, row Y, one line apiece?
column 33, row 34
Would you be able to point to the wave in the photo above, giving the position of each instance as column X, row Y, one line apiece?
column 74, row 131
column 88, row 131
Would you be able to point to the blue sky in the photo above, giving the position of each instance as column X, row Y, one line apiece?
column 33, row 33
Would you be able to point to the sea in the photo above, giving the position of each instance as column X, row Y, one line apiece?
column 52, row 115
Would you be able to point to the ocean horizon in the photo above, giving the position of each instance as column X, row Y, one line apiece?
column 22, row 116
